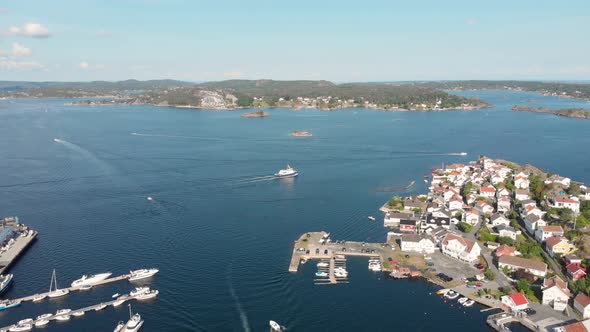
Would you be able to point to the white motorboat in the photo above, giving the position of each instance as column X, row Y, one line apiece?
column 116, row 295
column 119, row 302
column 289, row 172
column 371, row 218
column 19, row 328
column 323, row 264
column 5, row 281
column 91, row 279
column 149, row 198
column 134, row 323
column 321, row 274
column 44, row 316
column 100, row 307
column 63, row 314
column 462, row 300
column 468, row 303
column 41, row 322
column 339, row 274
column 119, row 326
column 451, row 295
column 53, row 290
column 78, row 313
column 85, row 287
column 275, row 326
column 25, row 321
column 139, row 290
column 142, row 274
column 148, row 295
column 39, row 297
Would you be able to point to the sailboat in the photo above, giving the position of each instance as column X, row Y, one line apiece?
column 53, row 290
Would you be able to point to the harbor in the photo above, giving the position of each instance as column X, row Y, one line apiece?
column 15, row 238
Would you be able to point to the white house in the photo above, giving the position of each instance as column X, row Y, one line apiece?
column 515, row 301
column 582, row 304
column 568, row 203
column 460, row 248
column 514, row 263
column 521, row 182
column 456, row 203
column 497, row 219
column 484, row 207
column 418, row 243
column 504, row 204
column 497, row 178
column 507, row 231
column 558, row 180
column 472, row 217
column 502, row 192
column 487, row 190
column 522, row 194
column 547, row 231
column 555, row 293
column 532, row 222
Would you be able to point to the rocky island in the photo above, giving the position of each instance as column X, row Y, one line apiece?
column 256, row 114
column 577, row 113
column 298, row 133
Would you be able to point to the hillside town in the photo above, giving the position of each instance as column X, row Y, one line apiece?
column 527, row 231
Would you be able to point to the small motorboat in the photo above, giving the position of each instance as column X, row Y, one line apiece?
column 119, row 302
column 39, row 297
column 321, row 274
column 468, row 303
column 148, row 295
column 116, row 295
column 142, row 274
column 6, row 304
column 289, row 172
column 19, row 328
column 25, row 321
column 340, row 274
column 5, row 281
column 119, row 326
column 452, row 295
column 462, row 300
column 41, row 322
column 323, row 264
column 149, row 198
column 443, row 291
column 371, row 218
column 63, row 314
column 274, row 326
column 100, row 307
column 44, row 316
column 78, row 313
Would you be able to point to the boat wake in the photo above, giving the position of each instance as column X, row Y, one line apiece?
column 241, row 311
column 103, row 166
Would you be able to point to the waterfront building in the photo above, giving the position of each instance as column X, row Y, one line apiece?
column 567, row 203
column 421, row 243
column 515, row 301
column 460, row 248
column 409, row 225
column 393, row 218
column 555, row 293
column 514, row 263
column 558, row 180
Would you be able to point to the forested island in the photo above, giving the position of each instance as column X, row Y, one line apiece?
column 578, row 113
column 233, row 94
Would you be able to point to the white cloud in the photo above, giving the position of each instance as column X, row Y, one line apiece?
column 34, row 30
column 19, row 50
column 13, row 65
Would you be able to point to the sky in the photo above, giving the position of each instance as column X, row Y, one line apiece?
column 340, row 41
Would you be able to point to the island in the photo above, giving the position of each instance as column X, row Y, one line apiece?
column 298, row 133
column 256, row 114
column 577, row 113
column 507, row 236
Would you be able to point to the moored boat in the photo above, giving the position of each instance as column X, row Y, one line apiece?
column 468, row 303
column 323, row 264
column 134, row 323
column 452, row 295
column 289, row 172
column 25, row 321
column 462, row 300
column 142, row 274
column 19, row 328
column 148, row 295
column 6, row 304
column 321, row 274
column 443, row 291
column 85, row 287
column 91, row 279
column 5, row 281
column 100, row 307
column 39, row 297
column 119, row 326
column 44, row 316
column 41, row 322
column 275, row 326
column 53, row 290
column 78, row 313
column 139, row 290
column 63, row 314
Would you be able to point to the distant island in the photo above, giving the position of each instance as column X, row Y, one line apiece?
column 257, row 114
column 234, row 94
column 298, row 133
column 577, row 113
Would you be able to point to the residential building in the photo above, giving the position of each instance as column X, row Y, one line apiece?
column 505, row 250
column 484, row 208
column 507, row 231
column 567, row 203
column 544, row 232
column 437, row 221
column 422, row 243
column 502, row 192
column 556, row 179
column 582, row 304
column 515, row 301
column 555, row 293
column 559, row 246
column 498, row 219
column 393, row 218
column 521, row 182
column 460, row 248
column 514, row 263
column 521, row 194
column 575, row 271
column 504, row 204
column 582, row 326
column 472, row 217
column 532, row 222
column 408, row 225
column 456, row 203
column 487, row 190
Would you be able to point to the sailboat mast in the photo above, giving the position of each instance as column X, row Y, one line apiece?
column 130, row 311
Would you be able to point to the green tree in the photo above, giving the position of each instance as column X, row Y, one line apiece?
column 574, row 189
column 489, row 274
column 464, row 227
column 523, row 285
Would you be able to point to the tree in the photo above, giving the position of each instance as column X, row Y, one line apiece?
column 464, row 227
column 489, row 274
column 523, row 285
column 574, row 189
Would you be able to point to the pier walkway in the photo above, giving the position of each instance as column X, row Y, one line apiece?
column 9, row 256
column 102, row 282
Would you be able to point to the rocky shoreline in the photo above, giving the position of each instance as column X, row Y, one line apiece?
column 256, row 114
column 576, row 113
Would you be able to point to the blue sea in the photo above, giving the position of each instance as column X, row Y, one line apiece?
column 220, row 230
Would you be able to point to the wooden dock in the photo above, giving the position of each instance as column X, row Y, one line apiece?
column 13, row 253
column 102, row 282
column 331, row 272
column 85, row 309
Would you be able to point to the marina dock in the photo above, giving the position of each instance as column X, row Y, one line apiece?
column 102, row 282
column 21, row 243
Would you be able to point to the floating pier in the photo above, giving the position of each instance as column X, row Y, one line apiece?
column 21, row 243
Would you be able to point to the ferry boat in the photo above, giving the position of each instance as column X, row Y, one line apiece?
column 6, row 304
column 90, row 279
column 321, row 274
column 134, row 323
column 274, row 326
column 289, row 172
column 5, row 281
column 142, row 274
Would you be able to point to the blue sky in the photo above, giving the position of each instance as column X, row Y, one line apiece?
column 341, row 41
